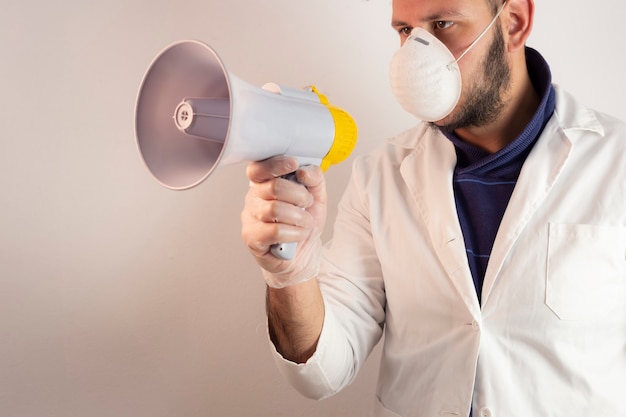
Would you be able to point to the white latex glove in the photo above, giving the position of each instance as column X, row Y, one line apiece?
column 281, row 211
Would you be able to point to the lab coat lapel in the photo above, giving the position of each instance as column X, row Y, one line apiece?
column 427, row 171
column 539, row 174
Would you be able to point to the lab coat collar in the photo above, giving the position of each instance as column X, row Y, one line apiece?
column 575, row 117
column 409, row 138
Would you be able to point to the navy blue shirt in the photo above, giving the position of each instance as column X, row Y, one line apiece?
column 483, row 182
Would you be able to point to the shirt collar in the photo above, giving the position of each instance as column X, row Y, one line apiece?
column 473, row 158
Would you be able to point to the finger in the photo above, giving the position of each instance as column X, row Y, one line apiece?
column 282, row 212
column 259, row 236
column 312, row 177
column 261, row 171
column 266, row 218
column 280, row 189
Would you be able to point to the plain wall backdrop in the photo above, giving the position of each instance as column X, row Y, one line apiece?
column 120, row 298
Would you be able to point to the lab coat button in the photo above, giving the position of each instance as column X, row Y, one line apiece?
column 485, row 412
column 475, row 325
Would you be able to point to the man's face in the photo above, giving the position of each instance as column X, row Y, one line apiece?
column 484, row 70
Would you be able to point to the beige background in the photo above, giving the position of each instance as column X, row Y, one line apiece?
column 120, row 298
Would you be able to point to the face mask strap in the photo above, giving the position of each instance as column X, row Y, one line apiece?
column 480, row 36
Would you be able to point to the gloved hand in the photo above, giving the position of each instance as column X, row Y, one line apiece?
column 280, row 211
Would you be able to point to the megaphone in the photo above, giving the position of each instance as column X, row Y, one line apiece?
column 193, row 116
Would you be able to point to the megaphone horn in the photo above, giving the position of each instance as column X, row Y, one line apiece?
column 192, row 116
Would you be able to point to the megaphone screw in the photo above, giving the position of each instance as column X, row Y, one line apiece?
column 183, row 116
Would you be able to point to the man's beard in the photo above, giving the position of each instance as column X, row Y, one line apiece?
column 484, row 99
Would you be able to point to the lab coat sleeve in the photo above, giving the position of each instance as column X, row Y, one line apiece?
column 321, row 376
column 354, row 300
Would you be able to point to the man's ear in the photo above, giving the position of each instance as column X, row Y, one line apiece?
column 517, row 22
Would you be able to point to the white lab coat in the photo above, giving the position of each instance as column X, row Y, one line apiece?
column 550, row 336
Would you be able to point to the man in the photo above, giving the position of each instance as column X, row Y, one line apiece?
column 489, row 245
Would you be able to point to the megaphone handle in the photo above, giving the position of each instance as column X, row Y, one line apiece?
column 286, row 251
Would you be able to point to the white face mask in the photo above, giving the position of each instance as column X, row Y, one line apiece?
column 425, row 76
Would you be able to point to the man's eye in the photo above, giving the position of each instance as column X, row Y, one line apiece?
column 405, row 31
column 443, row 24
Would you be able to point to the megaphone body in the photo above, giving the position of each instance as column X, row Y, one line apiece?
column 193, row 116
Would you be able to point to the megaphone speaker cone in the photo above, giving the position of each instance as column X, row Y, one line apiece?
column 178, row 159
